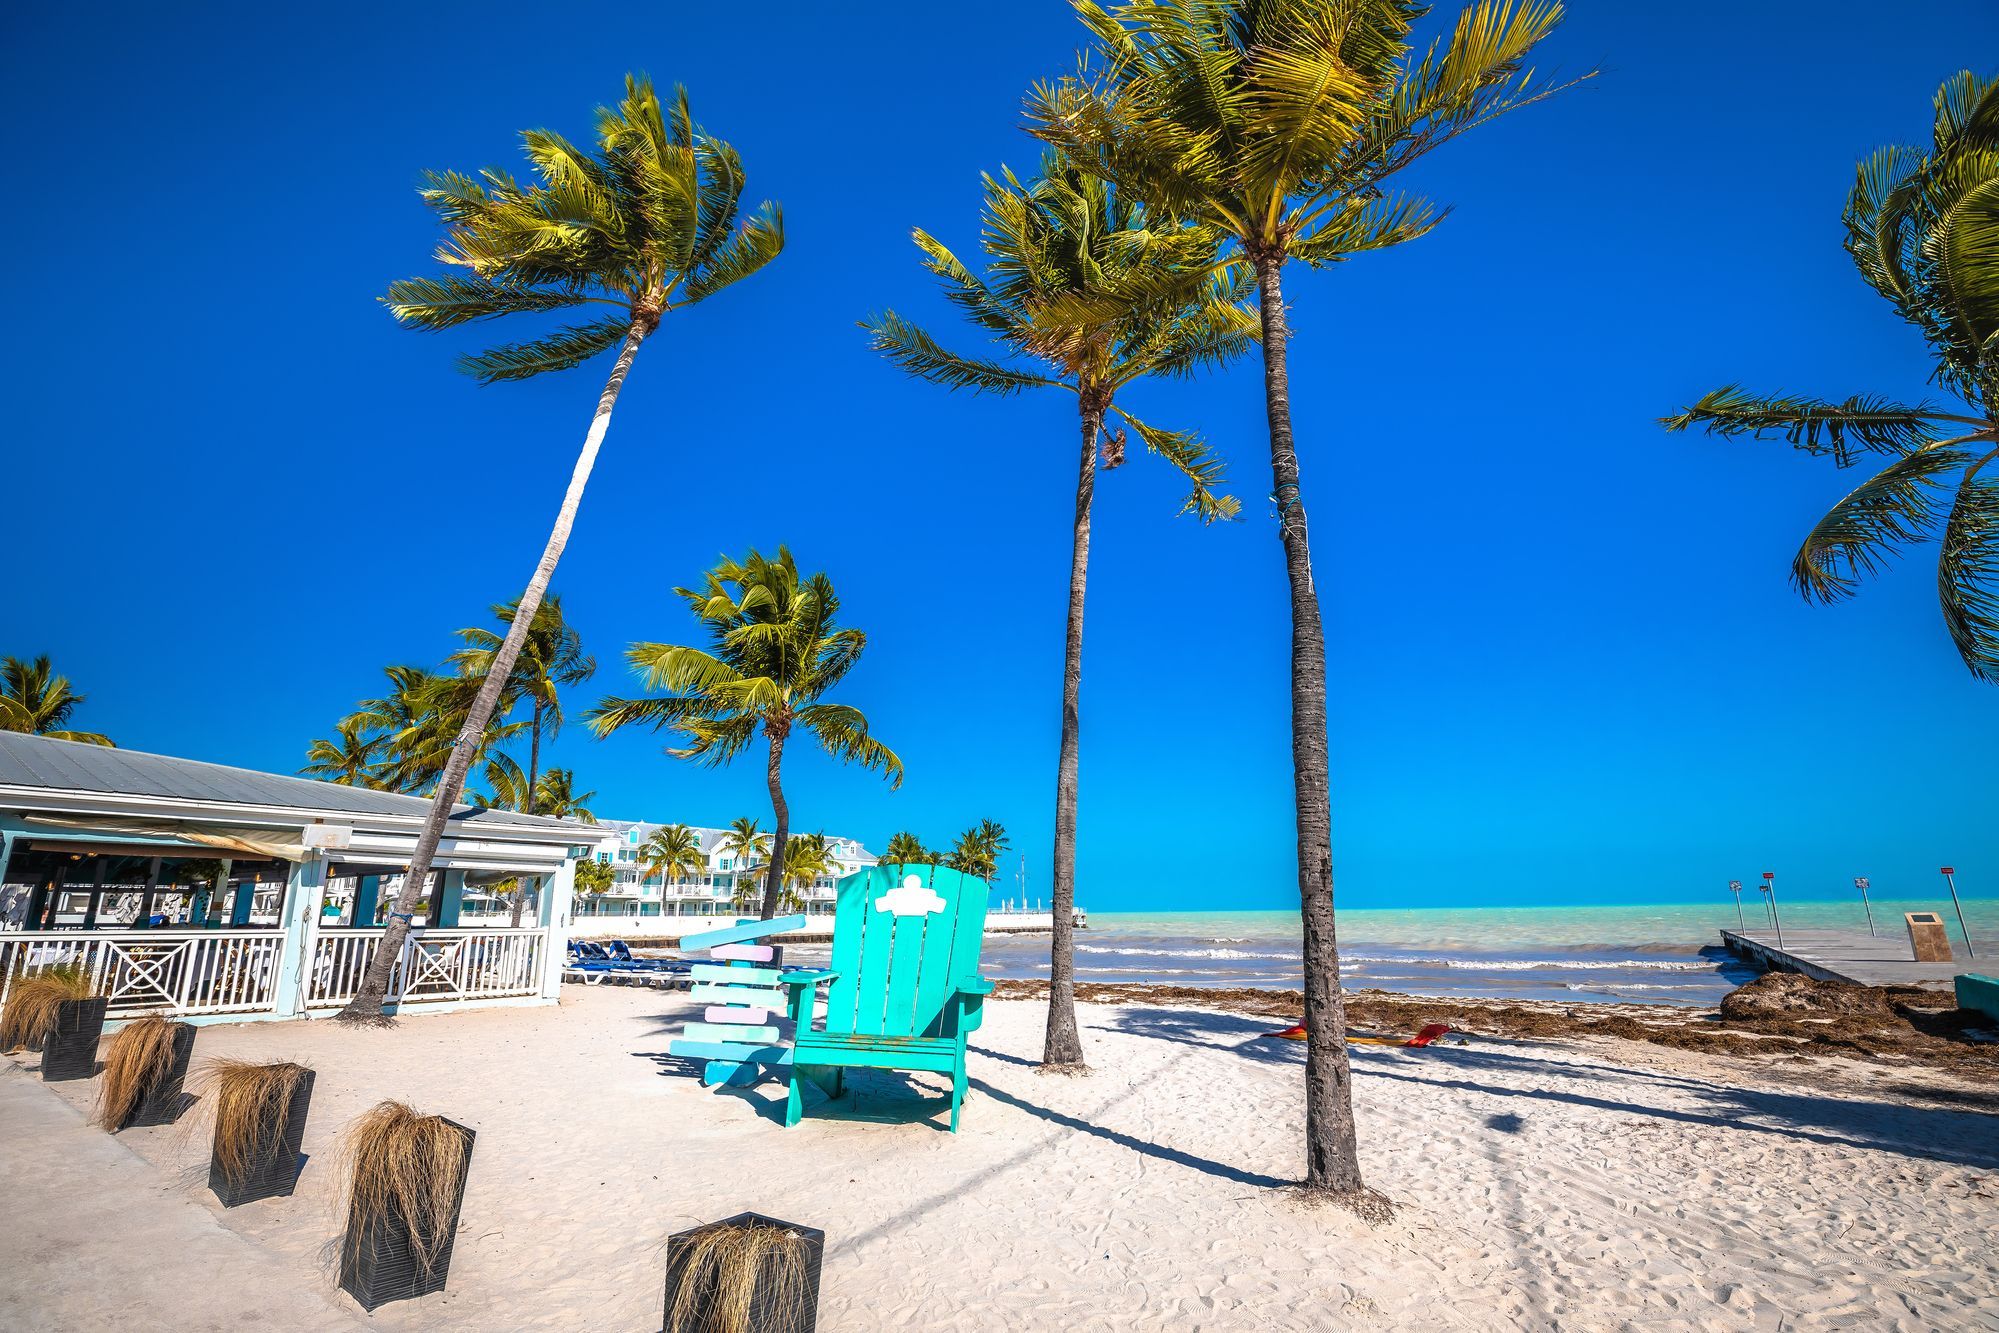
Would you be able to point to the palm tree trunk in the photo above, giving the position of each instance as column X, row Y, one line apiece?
column 366, row 1006
column 1063, row 1049
column 1332, row 1161
column 520, row 902
column 774, row 877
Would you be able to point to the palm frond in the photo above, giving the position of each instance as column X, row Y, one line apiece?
column 443, row 303
column 1196, row 461
column 559, row 351
column 1895, row 506
column 916, row 352
column 843, row 733
column 752, row 245
column 1842, row 430
column 1968, row 572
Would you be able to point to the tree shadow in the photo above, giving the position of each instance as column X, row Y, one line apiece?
column 1157, row 1151
column 1961, row 1137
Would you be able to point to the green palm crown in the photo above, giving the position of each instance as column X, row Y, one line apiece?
column 648, row 223
column 1923, row 228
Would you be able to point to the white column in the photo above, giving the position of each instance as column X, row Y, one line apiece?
column 304, row 887
column 557, row 892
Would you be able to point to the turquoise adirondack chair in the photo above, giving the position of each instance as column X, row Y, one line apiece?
column 906, row 989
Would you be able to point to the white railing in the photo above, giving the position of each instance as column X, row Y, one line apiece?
column 158, row 971
column 435, row 965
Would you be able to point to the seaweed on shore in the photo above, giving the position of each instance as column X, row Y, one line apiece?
column 1772, row 1017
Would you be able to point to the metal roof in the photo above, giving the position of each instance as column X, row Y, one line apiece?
column 53, row 765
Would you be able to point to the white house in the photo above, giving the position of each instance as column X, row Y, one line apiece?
column 709, row 893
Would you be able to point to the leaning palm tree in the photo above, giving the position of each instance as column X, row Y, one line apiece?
column 774, row 652
column 1084, row 291
column 348, row 757
column 672, row 852
column 1277, row 122
column 1924, row 231
column 646, row 225
column 35, row 700
column 904, row 849
column 551, row 658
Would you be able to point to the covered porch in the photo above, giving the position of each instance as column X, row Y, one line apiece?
column 218, row 894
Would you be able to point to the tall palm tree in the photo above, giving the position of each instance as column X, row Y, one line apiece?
column 349, row 757
column 774, row 652
column 551, row 658
column 646, row 225
column 1277, row 122
column 1084, row 291
column 1924, row 231
column 672, row 853
column 554, row 796
column 904, row 849
column 413, row 724
column 35, row 700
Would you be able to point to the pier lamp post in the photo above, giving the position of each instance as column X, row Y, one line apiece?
column 1950, row 878
column 1776, row 917
column 1861, row 884
column 1735, row 887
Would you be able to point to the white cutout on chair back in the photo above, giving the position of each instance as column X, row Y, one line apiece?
column 911, row 898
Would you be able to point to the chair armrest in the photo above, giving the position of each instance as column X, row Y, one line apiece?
column 804, row 998
column 969, row 1000
column 806, row 978
column 977, row 986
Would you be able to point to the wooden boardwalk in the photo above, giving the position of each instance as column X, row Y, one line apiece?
column 1850, row 955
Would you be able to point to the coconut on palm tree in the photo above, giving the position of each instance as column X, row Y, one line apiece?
column 1278, row 123
column 35, row 700
column 646, row 225
column 1084, row 291
column 1924, row 230
column 551, row 658
column 774, row 652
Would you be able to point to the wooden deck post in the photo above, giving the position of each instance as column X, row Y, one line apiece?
column 300, row 919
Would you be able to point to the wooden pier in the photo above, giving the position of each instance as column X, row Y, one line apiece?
column 1848, row 955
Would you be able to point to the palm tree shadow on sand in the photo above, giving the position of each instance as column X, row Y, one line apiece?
column 1961, row 1137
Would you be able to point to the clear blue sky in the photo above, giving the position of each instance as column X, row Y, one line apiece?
column 1565, row 660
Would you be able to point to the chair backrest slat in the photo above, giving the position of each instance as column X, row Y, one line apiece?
column 898, row 967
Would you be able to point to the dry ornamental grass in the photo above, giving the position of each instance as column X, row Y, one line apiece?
column 33, row 1002
column 250, row 1101
column 402, row 1164
column 719, row 1280
column 135, row 1061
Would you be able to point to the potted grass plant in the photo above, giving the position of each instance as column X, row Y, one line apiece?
column 145, row 1070
column 745, row 1274
column 405, row 1175
column 259, row 1112
column 54, row 1012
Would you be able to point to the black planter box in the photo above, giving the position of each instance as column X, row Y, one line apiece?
column 377, row 1262
column 165, row 1099
column 766, row 1314
column 70, row 1049
column 274, row 1166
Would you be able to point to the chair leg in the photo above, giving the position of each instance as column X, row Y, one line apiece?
column 794, row 1106
column 957, row 1093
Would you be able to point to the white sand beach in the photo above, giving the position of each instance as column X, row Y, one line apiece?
column 1575, row 1184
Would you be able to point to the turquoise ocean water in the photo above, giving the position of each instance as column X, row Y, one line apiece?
column 1663, row 954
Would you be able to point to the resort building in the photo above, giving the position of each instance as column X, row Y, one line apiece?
column 713, row 891
column 205, row 891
